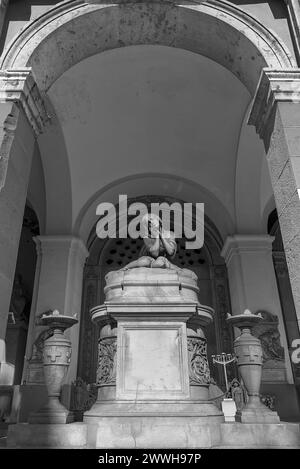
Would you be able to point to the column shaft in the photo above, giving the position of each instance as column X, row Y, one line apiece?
column 16, row 147
column 276, row 116
column 59, row 287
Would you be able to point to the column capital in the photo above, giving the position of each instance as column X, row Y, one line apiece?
column 19, row 86
column 274, row 86
column 250, row 244
column 47, row 244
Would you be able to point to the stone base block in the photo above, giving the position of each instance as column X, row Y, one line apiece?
column 257, row 415
column 53, row 412
column 7, row 371
column 203, row 411
column 229, row 410
column 257, row 435
column 160, row 432
column 25, row 435
column 176, row 433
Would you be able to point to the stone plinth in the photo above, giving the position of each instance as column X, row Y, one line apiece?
column 153, row 360
column 157, row 432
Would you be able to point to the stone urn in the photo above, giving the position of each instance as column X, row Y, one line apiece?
column 56, row 360
column 248, row 351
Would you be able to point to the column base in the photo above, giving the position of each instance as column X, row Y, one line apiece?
column 53, row 412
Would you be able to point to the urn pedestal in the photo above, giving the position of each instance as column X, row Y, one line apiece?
column 153, row 372
column 56, row 359
column 248, row 351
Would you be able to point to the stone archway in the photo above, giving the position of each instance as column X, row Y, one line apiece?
column 74, row 30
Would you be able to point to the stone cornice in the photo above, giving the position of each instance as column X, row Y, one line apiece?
column 20, row 87
column 274, row 86
column 251, row 244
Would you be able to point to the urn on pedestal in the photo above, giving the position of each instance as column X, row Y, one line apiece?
column 56, row 361
column 248, row 351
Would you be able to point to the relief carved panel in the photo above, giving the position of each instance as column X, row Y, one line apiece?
column 106, row 369
column 198, row 364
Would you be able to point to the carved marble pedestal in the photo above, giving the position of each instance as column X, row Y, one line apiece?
column 152, row 366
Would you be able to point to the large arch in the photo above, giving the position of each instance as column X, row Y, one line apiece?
column 74, row 30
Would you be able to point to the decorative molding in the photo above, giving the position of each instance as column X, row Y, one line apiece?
column 198, row 365
column 19, row 86
column 274, row 86
column 251, row 244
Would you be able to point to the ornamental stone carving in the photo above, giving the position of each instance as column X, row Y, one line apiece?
column 198, row 364
column 106, row 370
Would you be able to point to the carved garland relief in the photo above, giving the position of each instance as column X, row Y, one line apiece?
column 198, row 364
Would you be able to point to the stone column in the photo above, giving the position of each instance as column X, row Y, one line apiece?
column 3, row 9
column 21, row 116
column 293, row 7
column 276, row 116
column 252, row 281
column 59, row 287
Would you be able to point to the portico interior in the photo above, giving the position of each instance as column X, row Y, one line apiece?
column 148, row 116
